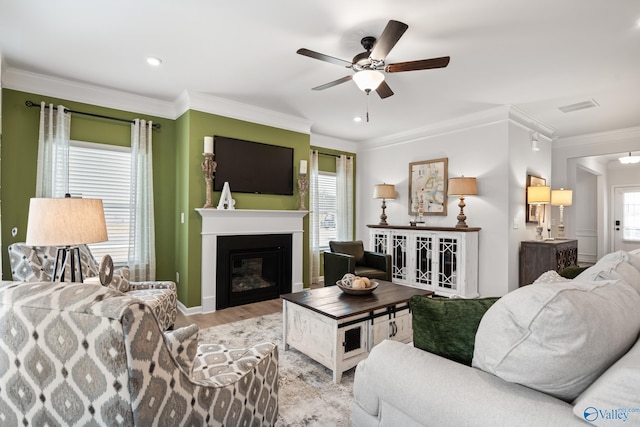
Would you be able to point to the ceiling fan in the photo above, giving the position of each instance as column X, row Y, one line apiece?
column 369, row 64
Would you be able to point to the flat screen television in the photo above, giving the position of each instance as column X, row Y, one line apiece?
column 252, row 167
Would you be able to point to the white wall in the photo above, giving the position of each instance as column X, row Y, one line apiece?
column 566, row 153
column 497, row 152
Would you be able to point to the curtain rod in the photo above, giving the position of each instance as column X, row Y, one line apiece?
column 330, row 155
column 66, row 110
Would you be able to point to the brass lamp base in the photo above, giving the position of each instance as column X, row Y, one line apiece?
column 461, row 216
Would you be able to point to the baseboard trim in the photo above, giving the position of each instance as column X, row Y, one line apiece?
column 188, row 311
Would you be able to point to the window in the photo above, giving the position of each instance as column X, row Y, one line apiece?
column 631, row 216
column 327, row 207
column 101, row 171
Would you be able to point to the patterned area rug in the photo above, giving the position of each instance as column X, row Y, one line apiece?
column 307, row 394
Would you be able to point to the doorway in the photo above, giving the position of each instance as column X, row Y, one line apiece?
column 626, row 218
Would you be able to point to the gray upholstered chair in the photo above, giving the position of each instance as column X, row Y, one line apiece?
column 84, row 354
column 350, row 257
column 35, row 264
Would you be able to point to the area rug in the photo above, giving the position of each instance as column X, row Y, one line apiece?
column 307, row 395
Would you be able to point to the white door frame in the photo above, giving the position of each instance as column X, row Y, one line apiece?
column 614, row 189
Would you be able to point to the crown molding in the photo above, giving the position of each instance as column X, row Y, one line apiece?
column 618, row 135
column 500, row 114
column 189, row 100
column 26, row 81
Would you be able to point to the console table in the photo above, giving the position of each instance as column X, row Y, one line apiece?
column 537, row 257
column 440, row 259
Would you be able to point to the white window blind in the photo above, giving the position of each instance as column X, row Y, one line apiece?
column 101, row 171
column 327, row 207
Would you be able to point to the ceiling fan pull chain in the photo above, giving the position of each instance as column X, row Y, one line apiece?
column 368, row 92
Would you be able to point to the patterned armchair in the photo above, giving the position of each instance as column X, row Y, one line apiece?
column 84, row 354
column 35, row 264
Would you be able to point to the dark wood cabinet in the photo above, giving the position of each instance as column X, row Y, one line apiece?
column 536, row 257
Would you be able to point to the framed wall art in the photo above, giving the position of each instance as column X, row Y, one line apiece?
column 428, row 187
column 532, row 181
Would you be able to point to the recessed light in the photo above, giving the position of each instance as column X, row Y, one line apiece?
column 153, row 61
column 357, row 119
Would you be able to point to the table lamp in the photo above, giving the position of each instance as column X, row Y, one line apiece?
column 461, row 187
column 384, row 191
column 66, row 223
column 539, row 195
column 561, row 198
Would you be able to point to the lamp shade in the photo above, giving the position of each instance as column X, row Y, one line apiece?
column 384, row 191
column 462, row 186
column 368, row 79
column 561, row 197
column 540, row 194
column 65, row 222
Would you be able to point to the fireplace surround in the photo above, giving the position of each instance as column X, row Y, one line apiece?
column 246, row 222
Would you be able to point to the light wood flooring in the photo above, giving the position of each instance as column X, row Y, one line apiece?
column 233, row 314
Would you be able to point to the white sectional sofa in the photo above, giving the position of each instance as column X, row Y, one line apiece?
column 558, row 352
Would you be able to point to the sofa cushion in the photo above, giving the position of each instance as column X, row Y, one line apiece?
column 616, row 388
column 612, row 270
column 447, row 327
column 550, row 276
column 355, row 249
column 183, row 346
column 558, row 338
column 634, row 260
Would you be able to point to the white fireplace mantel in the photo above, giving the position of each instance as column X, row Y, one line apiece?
column 230, row 222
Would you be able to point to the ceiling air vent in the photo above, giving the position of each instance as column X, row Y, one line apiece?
column 579, row 106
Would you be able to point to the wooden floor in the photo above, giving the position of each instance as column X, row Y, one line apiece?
column 230, row 314
column 233, row 314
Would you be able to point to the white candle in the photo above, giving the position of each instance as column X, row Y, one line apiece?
column 208, row 145
column 303, row 166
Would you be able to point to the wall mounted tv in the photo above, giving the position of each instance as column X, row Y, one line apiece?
column 252, row 167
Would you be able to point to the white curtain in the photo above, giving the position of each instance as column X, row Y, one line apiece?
column 344, row 197
column 314, row 217
column 52, row 178
column 142, row 252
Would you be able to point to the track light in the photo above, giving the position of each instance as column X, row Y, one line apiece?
column 534, row 142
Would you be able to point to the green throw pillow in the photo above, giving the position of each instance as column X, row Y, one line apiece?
column 572, row 271
column 447, row 326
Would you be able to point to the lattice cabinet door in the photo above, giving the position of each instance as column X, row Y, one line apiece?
column 380, row 242
column 448, row 250
column 399, row 257
column 424, row 260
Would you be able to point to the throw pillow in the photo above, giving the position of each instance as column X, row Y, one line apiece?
column 355, row 249
column 613, row 270
column 558, row 338
column 447, row 327
column 634, row 260
column 550, row 276
column 183, row 345
column 572, row 271
column 120, row 279
column 616, row 388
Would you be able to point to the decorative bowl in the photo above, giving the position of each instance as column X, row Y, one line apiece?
column 351, row 291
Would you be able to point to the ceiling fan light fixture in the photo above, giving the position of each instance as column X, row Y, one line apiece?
column 368, row 80
column 627, row 160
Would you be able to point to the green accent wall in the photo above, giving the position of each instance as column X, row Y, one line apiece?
column 193, row 126
column 179, row 186
column 20, row 156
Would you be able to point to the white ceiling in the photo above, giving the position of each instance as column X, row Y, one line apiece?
column 536, row 55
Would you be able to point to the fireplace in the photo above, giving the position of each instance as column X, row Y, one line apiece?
column 251, row 223
column 252, row 268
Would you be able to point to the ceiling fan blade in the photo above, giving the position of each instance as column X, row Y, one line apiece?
column 323, row 57
column 423, row 64
column 383, row 90
column 332, row 84
column 388, row 39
